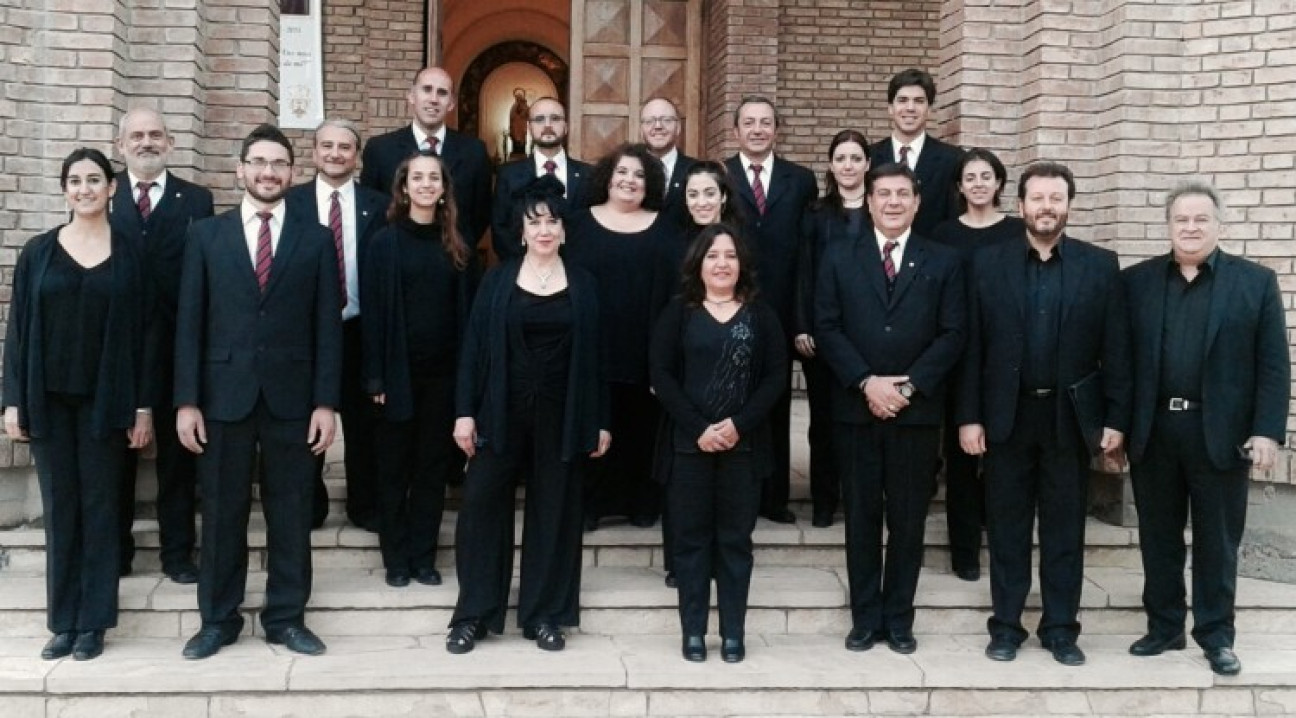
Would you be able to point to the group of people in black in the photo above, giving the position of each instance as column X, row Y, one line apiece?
column 629, row 355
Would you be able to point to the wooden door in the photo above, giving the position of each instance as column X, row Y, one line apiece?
column 623, row 53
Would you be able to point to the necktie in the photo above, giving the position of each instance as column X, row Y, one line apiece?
column 263, row 253
column 888, row 264
column 758, row 188
column 335, row 224
column 432, row 143
column 904, row 155
column 145, row 203
column 550, row 166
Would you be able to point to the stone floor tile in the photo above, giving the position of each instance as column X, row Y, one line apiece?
column 1148, row 701
column 548, row 703
column 891, row 703
column 1275, row 701
column 153, row 666
column 454, row 704
column 25, row 674
column 1035, row 668
column 1009, row 702
column 138, row 706
column 26, row 707
column 390, row 622
column 1228, row 701
column 781, row 702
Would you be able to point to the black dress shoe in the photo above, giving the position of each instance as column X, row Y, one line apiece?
column 1001, row 649
column 428, row 576
column 694, row 649
column 1067, row 653
column 125, row 569
column 1224, row 661
column 208, row 641
column 643, row 521
column 590, row 524
column 463, row 637
column 298, row 639
column 780, row 516
column 902, row 641
column 59, row 645
column 547, row 636
column 860, row 639
column 968, row 574
column 822, row 519
column 671, row 582
column 398, row 577
column 1151, row 645
column 732, row 650
column 89, row 645
column 185, row 575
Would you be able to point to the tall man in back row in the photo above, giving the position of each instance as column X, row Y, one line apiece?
column 1212, row 384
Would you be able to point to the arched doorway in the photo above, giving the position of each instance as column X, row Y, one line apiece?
column 486, row 90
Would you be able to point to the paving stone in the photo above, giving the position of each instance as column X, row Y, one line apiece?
column 1036, row 669
column 1144, row 702
column 128, row 707
column 570, row 704
column 1228, row 701
column 1275, row 701
column 153, row 666
column 460, row 704
column 25, row 706
column 783, row 702
column 1008, row 702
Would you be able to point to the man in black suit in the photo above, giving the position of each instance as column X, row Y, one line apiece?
column 776, row 194
column 431, row 100
column 352, row 214
column 1047, row 319
column 1212, row 386
column 258, row 367
column 890, row 323
column 659, row 128
column 154, row 208
column 910, row 95
column 548, row 125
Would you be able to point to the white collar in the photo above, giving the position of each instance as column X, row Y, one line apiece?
column 915, row 148
column 420, row 136
column 160, row 182
column 559, row 160
column 324, row 190
column 249, row 211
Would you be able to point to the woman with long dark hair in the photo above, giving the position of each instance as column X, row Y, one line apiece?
column 77, row 382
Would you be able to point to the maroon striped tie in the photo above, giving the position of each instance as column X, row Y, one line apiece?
column 144, row 203
column 904, row 154
column 263, row 253
column 758, row 188
column 335, row 224
column 888, row 264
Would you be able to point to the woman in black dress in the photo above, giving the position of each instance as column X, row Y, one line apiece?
column 980, row 177
column 839, row 216
column 718, row 366
column 77, row 373
column 531, row 402
column 416, row 288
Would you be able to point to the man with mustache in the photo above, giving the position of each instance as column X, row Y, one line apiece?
column 155, row 208
column 1047, row 327
column 548, row 126
column 258, row 370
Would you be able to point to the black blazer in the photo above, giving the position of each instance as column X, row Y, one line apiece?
column 918, row 331
column 370, row 209
column 775, row 238
column 234, row 344
column 127, row 367
column 1093, row 337
column 1246, row 375
column 822, row 228
column 482, row 390
column 936, row 168
column 513, row 177
column 470, row 173
column 673, row 205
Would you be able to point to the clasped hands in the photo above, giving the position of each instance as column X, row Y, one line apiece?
column 883, row 395
column 721, row 436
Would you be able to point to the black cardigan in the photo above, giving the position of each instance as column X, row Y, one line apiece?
column 128, row 365
column 482, row 388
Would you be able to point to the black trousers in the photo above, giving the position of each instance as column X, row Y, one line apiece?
column 79, row 476
column 413, row 462
column 888, row 471
column 714, row 500
column 1032, row 471
column 776, row 487
column 358, row 424
column 225, row 474
column 551, row 532
column 621, row 483
column 825, row 481
column 176, row 496
column 1174, row 477
column 964, row 498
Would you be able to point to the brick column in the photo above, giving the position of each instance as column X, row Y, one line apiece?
column 742, row 45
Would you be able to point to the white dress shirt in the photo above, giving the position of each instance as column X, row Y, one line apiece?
column 252, row 228
column 915, row 149
column 897, row 254
column 420, row 137
column 156, row 192
column 767, row 170
column 346, row 198
column 559, row 159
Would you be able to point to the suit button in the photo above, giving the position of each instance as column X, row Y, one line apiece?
column 888, row 329
column 262, row 312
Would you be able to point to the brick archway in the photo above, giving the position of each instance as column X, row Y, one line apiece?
column 495, row 56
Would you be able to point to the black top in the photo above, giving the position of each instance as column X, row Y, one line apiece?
column 1044, row 307
column 77, row 298
column 1183, row 339
column 429, row 286
column 540, row 329
column 822, row 228
column 967, row 240
column 717, row 365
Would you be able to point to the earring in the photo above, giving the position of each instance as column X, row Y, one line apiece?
column 441, row 201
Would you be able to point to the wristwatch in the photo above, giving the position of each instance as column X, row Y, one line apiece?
column 906, row 389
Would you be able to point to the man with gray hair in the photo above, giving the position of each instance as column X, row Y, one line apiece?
column 353, row 214
column 1212, row 378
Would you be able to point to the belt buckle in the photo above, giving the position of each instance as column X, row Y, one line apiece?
column 1177, row 404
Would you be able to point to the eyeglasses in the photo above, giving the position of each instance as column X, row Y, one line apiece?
column 260, row 163
column 552, row 119
column 664, row 121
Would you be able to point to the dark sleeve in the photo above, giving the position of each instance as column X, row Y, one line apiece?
column 374, row 284
column 369, row 167
column 967, row 402
column 15, row 359
column 665, row 361
column 831, row 341
column 478, row 196
column 774, row 373
column 1273, row 366
column 205, row 208
column 473, row 363
column 803, row 300
column 190, row 317
column 502, row 216
column 328, row 323
column 148, row 358
column 938, row 360
column 1117, row 355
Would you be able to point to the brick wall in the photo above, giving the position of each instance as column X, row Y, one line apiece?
column 742, row 39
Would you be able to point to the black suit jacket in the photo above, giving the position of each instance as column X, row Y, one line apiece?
column 822, row 228
column 673, row 205
column 235, row 344
column 775, row 237
column 918, row 330
column 936, row 168
column 370, row 209
column 470, row 173
column 1093, row 337
column 1246, row 376
column 513, row 177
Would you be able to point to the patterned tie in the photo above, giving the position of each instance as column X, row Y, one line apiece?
column 145, row 203
column 758, row 188
column 888, row 264
column 550, row 166
column 904, row 154
column 335, row 224
column 432, row 143
column 263, row 253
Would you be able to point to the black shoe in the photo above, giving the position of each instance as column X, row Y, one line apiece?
column 643, row 521
column 732, row 650
column 822, row 519
column 968, row 574
column 547, row 636
column 428, row 576
column 125, row 569
column 902, row 641
column 780, row 516
column 398, row 577
column 463, row 637
column 298, row 639
column 1151, row 645
column 185, row 574
column 1067, row 653
column 1224, row 661
column 860, row 639
column 89, row 645
column 365, row 523
column 694, row 649
column 1001, row 649
column 59, row 645
column 590, row 524
column 208, row 641
column 671, row 582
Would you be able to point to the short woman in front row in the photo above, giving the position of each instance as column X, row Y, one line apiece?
column 416, row 287
column 531, row 402
column 78, row 371
column 718, row 367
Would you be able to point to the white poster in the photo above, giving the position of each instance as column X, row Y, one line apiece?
column 301, row 65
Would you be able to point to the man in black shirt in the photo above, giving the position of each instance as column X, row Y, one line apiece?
column 1213, row 384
